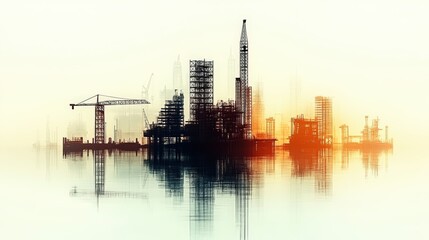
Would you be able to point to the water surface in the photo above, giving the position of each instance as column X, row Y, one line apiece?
column 331, row 194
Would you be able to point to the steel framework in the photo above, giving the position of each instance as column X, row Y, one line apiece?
column 201, row 87
column 99, row 124
column 324, row 119
column 227, row 120
column 170, row 122
column 171, row 115
column 244, row 105
column 238, row 97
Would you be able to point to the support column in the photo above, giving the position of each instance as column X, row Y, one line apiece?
column 99, row 124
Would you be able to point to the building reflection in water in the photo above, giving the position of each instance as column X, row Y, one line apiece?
column 99, row 160
column 207, row 176
column 370, row 158
column 169, row 171
column 314, row 162
column 198, row 179
column 51, row 157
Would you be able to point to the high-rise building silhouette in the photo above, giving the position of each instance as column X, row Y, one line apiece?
column 200, row 87
column 244, row 103
column 231, row 75
column 323, row 113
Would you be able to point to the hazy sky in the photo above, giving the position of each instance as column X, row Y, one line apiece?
column 370, row 56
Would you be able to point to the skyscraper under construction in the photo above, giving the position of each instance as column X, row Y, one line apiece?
column 200, row 88
column 225, row 127
column 323, row 114
column 243, row 90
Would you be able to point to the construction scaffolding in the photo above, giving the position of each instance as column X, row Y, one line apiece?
column 238, row 97
column 100, row 127
column 226, row 126
column 227, row 120
column 218, row 123
column 245, row 103
column 170, row 122
column 171, row 115
column 200, row 87
column 323, row 114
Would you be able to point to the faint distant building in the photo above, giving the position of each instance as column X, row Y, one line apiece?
column 76, row 129
column 257, row 112
column 323, row 114
column 128, row 126
column 371, row 134
column 231, row 75
column 365, row 132
column 200, row 87
column 284, row 130
column 345, row 134
column 270, row 127
column 177, row 74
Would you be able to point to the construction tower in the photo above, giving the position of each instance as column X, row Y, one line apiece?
column 200, row 88
column 323, row 113
column 244, row 104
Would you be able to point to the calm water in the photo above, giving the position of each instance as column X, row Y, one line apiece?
column 314, row 195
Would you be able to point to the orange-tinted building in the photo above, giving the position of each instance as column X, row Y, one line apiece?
column 304, row 132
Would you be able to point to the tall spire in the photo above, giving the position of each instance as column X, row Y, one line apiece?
column 231, row 74
column 177, row 74
column 245, row 90
column 243, row 39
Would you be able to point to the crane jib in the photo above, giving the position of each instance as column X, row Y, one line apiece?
column 113, row 102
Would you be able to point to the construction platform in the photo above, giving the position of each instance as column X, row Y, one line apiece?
column 77, row 144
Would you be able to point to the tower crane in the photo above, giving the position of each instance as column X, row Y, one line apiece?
column 99, row 111
column 145, row 89
column 145, row 95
